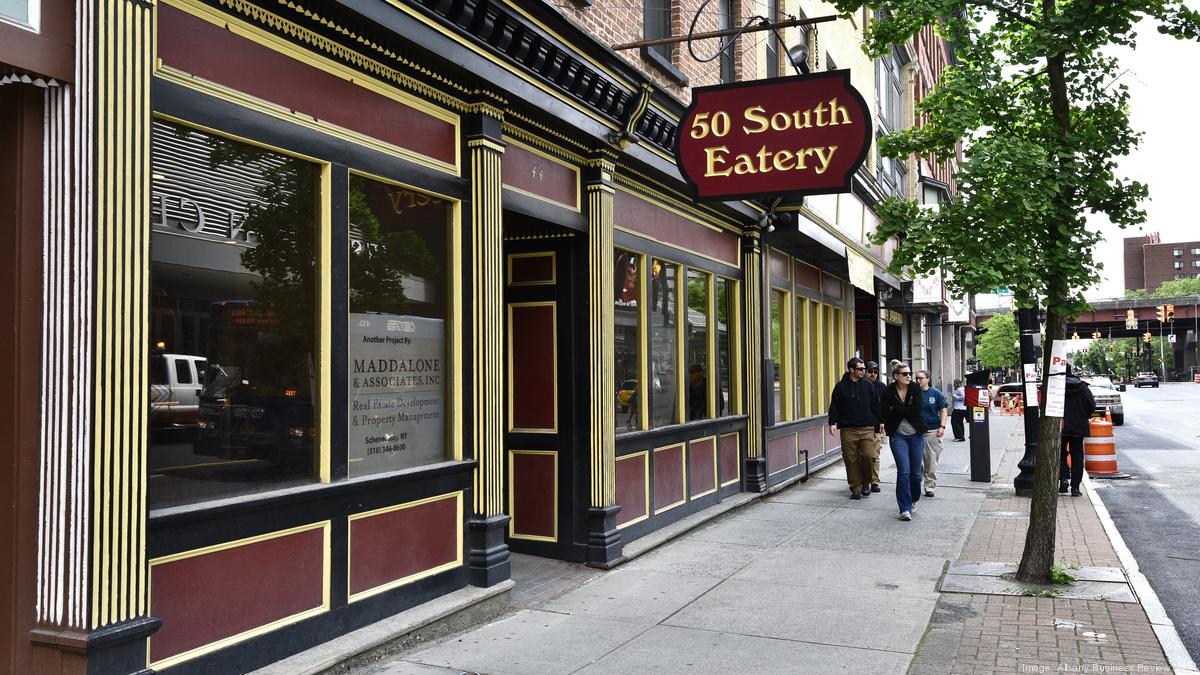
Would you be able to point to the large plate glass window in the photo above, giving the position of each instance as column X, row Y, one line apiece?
column 725, row 326
column 23, row 13
column 627, row 350
column 664, row 343
column 233, row 296
column 777, row 308
column 397, row 334
column 696, row 331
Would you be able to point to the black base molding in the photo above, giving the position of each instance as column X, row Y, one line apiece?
column 119, row 648
column 756, row 474
column 488, row 561
column 604, row 541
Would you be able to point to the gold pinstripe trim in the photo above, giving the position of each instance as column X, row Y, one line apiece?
column 553, row 305
column 738, row 455
column 580, row 148
column 665, row 197
column 396, row 583
column 753, row 350
column 644, row 455
column 716, row 463
column 559, row 152
column 601, row 338
column 487, row 305
column 512, row 522
column 573, row 168
column 683, row 471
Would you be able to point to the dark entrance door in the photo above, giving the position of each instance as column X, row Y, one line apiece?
column 541, row 391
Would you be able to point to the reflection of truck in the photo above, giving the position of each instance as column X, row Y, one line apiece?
column 175, row 384
column 257, row 397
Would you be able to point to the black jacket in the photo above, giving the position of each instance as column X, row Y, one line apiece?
column 895, row 409
column 1077, row 408
column 854, row 404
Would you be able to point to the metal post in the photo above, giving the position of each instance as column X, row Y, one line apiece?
column 1029, row 327
column 1162, row 361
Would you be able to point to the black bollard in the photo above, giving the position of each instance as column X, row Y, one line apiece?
column 979, row 403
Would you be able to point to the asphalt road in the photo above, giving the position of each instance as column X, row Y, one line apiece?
column 1158, row 510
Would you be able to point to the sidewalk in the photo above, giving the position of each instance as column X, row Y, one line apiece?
column 808, row 581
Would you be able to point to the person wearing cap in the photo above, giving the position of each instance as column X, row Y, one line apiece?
column 873, row 376
column 854, row 412
column 933, row 409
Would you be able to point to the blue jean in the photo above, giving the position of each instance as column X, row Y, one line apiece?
column 909, row 452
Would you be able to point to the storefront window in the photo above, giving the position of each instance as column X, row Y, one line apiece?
column 233, row 291
column 664, row 343
column 397, row 337
column 627, row 347
column 697, row 334
column 777, row 355
column 802, row 364
column 725, row 324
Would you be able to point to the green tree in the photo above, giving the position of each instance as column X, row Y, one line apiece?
column 995, row 346
column 1043, row 117
column 1177, row 287
column 1137, row 293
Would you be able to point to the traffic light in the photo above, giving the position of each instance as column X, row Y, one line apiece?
column 1170, row 312
column 1161, row 311
column 1130, row 319
column 1146, row 337
column 1096, row 335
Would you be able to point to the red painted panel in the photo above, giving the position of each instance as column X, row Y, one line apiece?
column 666, row 226
column 200, row 48
column 832, row 286
column 531, row 269
column 811, row 440
column 808, row 277
column 397, row 544
column 702, row 457
column 631, row 488
column 533, row 494
column 532, row 338
column 779, row 264
column 729, row 457
column 781, row 453
column 668, row 476
column 537, row 175
column 216, row 595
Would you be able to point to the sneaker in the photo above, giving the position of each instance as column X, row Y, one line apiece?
column 929, row 493
column 905, row 515
column 854, row 494
column 1062, row 487
column 874, row 487
column 866, row 492
column 1076, row 493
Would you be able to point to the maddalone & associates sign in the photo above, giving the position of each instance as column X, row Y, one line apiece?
column 799, row 135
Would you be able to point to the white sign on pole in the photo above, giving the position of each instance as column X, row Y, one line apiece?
column 1031, row 383
column 1171, row 338
column 1056, row 389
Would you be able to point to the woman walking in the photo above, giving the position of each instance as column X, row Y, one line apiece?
column 905, row 427
column 959, row 415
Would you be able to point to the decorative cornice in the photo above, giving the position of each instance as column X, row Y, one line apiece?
column 542, row 144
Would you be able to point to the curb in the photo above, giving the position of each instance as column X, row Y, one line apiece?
column 1164, row 629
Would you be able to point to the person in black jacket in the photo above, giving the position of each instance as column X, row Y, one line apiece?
column 873, row 376
column 854, row 411
column 1077, row 415
column 901, row 409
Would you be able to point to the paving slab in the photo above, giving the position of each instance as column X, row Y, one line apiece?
column 1084, row 590
column 410, row 668
column 846, row 570
column 936, row 535
column 638, row 595
column 667, row 649
column 864, row 619
column 798, row 515
column 698, row 558
column 530, row 642
column 992, row 569
column 761, row 533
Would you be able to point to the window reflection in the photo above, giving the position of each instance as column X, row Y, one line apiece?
column 627, row 345
column 233, row 283
column 724, row 322
column 664, row 343
column 697, row 331
column 776, row 354
column 396, row 353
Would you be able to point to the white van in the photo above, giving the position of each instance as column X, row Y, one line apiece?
column 175, row 384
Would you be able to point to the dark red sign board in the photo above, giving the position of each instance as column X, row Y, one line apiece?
column 800, row 135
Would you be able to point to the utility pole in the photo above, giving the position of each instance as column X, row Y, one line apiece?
column 1029, row 326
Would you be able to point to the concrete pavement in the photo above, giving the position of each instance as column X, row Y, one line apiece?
column 809, row 581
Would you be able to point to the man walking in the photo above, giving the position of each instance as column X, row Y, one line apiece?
column 873, row 376
column 854, row 411
column 959, row 414
column 1076, row 426
column 933, row 409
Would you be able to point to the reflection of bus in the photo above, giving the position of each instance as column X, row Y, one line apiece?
column 257, row 397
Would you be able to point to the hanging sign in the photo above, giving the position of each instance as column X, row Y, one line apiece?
column 1056, row 387
column 784, row 136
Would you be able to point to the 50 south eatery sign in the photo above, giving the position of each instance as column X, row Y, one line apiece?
column 786, row 136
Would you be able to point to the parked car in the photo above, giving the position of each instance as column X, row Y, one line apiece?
column 1107, row 398
column 175, row 384
column 1146, row 380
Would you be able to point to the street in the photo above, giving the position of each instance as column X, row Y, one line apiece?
column 1158, row 510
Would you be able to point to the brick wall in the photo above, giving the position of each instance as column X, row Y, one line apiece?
column 1160, row 262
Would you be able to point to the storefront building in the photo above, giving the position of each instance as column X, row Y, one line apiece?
column 324, row 309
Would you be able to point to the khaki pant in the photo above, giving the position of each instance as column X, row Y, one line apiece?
column 857, row 446
column 933, row 452
column 875, row 458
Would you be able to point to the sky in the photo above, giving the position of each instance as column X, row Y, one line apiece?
column 1164, row 96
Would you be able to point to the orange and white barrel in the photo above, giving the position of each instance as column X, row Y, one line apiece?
column 1100, row 450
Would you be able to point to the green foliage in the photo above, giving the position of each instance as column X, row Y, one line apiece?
column 995, row 346
column 1042, row 116
column 1125, row 357
column 1137, row 293
column 1177, row 287
column 1060, row 575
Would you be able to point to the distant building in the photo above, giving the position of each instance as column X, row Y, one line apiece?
column 1149, row 262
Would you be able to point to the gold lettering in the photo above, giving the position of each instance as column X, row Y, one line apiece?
column 780, row 121
column 394, row 196
column 825, row 159
column 712, row 159
column 835, row 110
column 763, row 156
column 744, row 165
column 820, row 110
column 755, row 114
column 780, row 157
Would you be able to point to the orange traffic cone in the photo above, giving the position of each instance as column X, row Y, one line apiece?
column 1100, row 451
